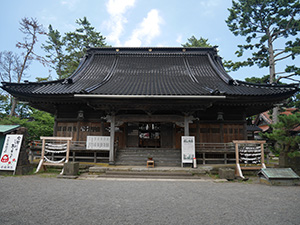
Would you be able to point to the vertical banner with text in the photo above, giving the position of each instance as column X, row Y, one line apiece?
column 187, row 149
column 10, row 152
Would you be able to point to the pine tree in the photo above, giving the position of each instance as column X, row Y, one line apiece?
column 271, row 29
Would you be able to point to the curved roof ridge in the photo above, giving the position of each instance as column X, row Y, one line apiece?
column 223, row 71
column 84, row 61
column 214, row 65
column 106, row 78
column 190, row 72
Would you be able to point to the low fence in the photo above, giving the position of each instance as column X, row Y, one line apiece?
column 206, row 153
column 78, row 153
column 215, row 153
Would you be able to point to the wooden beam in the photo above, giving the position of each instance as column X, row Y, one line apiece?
column 152, row 118
column 248, row 142
column 57, row 138
column 112, row 140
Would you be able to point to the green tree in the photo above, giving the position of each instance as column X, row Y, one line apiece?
column 258, row 80
column 194, row 42
column 292, row 102
column 54, row 51
column 286, row 143
column 271, row 29
column 66, row 52
column 38, row 123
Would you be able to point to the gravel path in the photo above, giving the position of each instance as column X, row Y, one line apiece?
column 40, row 200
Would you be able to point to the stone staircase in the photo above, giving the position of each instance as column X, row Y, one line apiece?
column 137, row 172
column 139, row 156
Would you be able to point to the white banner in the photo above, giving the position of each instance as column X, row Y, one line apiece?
column 98, row 142
column 10, row 152
column 187, row 149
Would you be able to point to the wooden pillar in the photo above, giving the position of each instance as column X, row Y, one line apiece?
column 112, row 140
column 77, row 130
column 245, row 127
column 55, row 124
column 186, row 126
column 102, row 128
column 221, row 132
column 197, row 131
column 174, row 135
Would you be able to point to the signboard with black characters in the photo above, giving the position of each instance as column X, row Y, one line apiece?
column 10, row 152
column 187, row 149
column 98, row 143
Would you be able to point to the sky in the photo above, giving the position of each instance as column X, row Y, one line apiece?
column 130, row 23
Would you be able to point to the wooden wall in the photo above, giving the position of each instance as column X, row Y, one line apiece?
column 80, row 130
column 204, row 132
column 217, row 132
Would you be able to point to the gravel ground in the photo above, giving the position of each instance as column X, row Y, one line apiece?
column 43, row 200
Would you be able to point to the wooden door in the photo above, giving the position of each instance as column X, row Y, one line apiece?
column 132, row 135
column 166, row 133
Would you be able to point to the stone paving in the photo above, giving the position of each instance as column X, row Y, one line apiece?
column 44, row 199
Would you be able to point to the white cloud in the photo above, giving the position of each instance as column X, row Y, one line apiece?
column 148, row 29
column 116, row 7
column 209, row 7
column 116, row 10
column 179, row 39
column 71, row 4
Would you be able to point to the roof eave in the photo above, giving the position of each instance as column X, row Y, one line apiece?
column 151, row 96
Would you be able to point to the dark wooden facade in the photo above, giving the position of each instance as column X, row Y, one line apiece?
column 149, row 98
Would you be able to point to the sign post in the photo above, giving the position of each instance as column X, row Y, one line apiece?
column 187, row 149
column 10, row 152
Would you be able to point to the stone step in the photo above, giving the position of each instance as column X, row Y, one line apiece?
column 139, row 156
column 149, row 151
column 148, row 173
column 148, row 177
column 143, row 171
column 148, row 155
column 144, row 159
column 130, row 163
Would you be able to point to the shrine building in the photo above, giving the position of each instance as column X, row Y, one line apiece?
column 148, row 98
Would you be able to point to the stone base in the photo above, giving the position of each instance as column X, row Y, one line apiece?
column 67, row 177
column 226, row 173
column 23, row 170
column 71, row 169
column 279, row 182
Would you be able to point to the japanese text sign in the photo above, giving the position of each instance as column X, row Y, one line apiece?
column 10, row 152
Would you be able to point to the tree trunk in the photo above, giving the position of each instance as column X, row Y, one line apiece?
column 283, row 159
column 275, row 114
column 272, row 75
column 13, row 107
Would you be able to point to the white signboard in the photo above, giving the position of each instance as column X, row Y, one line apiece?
column 98, row 142
column 10, row 152
column 187, row 149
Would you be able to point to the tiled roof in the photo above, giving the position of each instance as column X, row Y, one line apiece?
column 150, row 71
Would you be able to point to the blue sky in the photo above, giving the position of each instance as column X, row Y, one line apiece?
column 155, row 23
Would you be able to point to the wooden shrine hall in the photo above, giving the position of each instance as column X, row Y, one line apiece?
column 147, row 98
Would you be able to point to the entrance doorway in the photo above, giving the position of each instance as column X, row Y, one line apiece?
column 149, row 135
